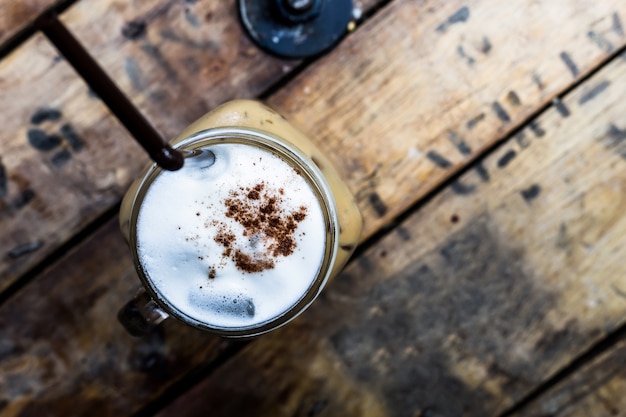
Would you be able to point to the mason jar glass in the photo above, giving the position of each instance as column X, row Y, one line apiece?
column 260, row 270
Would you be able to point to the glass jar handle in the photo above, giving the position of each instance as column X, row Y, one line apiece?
column 141, row 314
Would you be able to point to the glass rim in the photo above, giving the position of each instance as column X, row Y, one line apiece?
column 312, row 174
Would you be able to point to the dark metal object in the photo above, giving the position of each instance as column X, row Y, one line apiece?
column 295, row 28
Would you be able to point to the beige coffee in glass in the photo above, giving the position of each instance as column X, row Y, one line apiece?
column 244, row 237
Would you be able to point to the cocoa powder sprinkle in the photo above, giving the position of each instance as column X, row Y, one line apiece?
column 268, row 227
column 249, row 264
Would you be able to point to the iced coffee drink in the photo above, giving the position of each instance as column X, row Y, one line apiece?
column 245, row 236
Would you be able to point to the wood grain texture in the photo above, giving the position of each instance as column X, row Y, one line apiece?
column 423, row 86
column 596, row 390
column 63, row 158
column 174, row 59
column 15, row 16
column 475, row 299
column 177, row 59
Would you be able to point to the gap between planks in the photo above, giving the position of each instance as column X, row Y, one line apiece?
column 603, row 346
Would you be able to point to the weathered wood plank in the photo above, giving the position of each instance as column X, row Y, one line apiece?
column 15, row 16
column 183, row 55
column 63, row 158
column 475, row 299
column 439, row 81
column 596, row 390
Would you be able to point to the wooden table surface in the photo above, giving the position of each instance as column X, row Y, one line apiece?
column 485, row 142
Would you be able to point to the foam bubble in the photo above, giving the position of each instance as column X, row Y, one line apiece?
column 234, row 244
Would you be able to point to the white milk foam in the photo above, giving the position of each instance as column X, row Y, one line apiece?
column 185, row 211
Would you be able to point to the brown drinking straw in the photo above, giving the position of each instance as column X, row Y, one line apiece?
column 160, row 152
